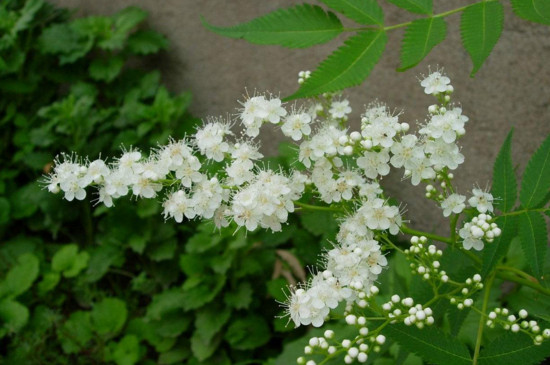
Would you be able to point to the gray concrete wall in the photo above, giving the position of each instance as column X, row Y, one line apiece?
column 512, row 89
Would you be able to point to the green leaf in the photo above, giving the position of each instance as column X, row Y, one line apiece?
column 296, row 27
column 419, row 39
column 126, row 352
column 362, row 11
column 210, row 320
column 504, row 188
column 27, row 15
column 106, row 69
column 20, row 278
column 13, row 316
column 199, row 291
column 431, row 344
column 248, row 333
column 109, row 315
column 415, row 6
column 480, row 29
column 514, row 348
column 537, row 11
column 493, row 252
column 535, row 183
column 76, row 332
column 69, row 262
column 172, row 324
column 128, row 18
column 203, row 348
column 241, row 297
column 348, row 66
column 146, row 42
column 4, row 210
column 165, row 302
column 534, row 240
column 48, row 282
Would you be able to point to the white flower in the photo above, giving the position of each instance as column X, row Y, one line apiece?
column 374, row 163
column 405, row 150
column 482, row 201
column 470, row 241
column 296, row 125
column 339, row 109
column 435, row 83
column 454, row 203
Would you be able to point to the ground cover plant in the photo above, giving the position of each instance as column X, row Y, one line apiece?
column 212, row 273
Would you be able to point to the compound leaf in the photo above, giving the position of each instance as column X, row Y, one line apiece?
column 514, row 348
column 296, row 27
column 537, row 11
column 419, row 39
column 348, row 66
column 504, row 180
column 534, row 239
column 536, row 177
column 362, row 11
column 415, row 6
column 431, row 344
column 480, row 29
column 493, row 252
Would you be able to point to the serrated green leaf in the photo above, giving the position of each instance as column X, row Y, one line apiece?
column 480, row 29
column 537, row 11
column 420, row 37
column 109, row 315
column 296, row 27
column 248, row 333
column 348, row 66
column 415, row 6
column 534, row 240
column 165, row 302
column 106, row 69
column 146, row 42
column 362, row 11
column 27, row 14
column 431, row 344
column 493, row 252
column 514, row 348
column 210, row 320
column 128, row 18
column 535, row 183
column 504, row 188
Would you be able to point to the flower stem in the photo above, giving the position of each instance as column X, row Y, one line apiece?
column 521, row 281
column 317, row 207
column 435, row 237
column 481, row 325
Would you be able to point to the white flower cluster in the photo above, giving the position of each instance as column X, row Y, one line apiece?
column 424, row 260
column 463, row 298
column 406, row 311
column 518, row 323
column 479, row 229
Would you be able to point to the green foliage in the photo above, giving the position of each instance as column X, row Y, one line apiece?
column 533, row 10
column 431, row 344
column 534, row 240
column 494, row 252
column 361, row 11
column 296, row 27
column 513, row 348
column 306, row 25
column 535, row 184
column 504, row 187
column 415, row 6
column 419, row 39
column 480, row 29
column 347, row 66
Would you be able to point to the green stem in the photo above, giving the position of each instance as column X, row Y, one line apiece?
column 440, row 15
column 454, row 220
column 317, row 207
column 435, row 237
column 521, row 281
column 518, row 212
column 518, row 272
column 481, row 325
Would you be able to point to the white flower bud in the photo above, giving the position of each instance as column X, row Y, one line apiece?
column 351, row 319
column 380, row 339
column 363, row 331
column 395, row 298
column 346, row 343
column 348, row 359
column 362, row 357
column 374, row 290
column 308, row 350
column 314, row 341
column 405, row 127
column 353, row 352
column 492, row 315
column 301, row 360
column 329, row 334
column 515, row 327
column 361, row 321
column 331, row 349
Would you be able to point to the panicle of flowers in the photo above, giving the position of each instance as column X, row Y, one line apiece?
column 424, row 260
column 463, row 299
column 518, row 323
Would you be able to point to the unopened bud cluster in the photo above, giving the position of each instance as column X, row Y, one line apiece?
column 463, row 298
column 406, row 311
column 424, row 259
column 519, row 323
column 303, row 76
column 479, row 229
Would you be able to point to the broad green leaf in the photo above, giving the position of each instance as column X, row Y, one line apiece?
column 514, row 348
column 296, row 27
column 210, row 320
column 20, row 278
column 109, row 315
column 172, row 324
column 201, row 291
column 13, row 316
column 420, row 37
column 535, row 183
column 48, row 282
column 175, row 355
column 248, row 333
column 537, row 11
column 415, row 6
column 128, row 18
column 241, row 297
column 534, row 240
column 106, row 69
column 480, row 29
column 204, row 348
column 63, row 40
column 126, row 352
column 27, row 14
column 493, row 252
column 362, row 11
column 504, row 188
column 431, row 344
column 348, row 66
column 69, row 261
column 75, row 333
column 146, row 42
column 165, row 302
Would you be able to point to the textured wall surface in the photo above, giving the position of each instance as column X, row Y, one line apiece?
column 512, row 89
